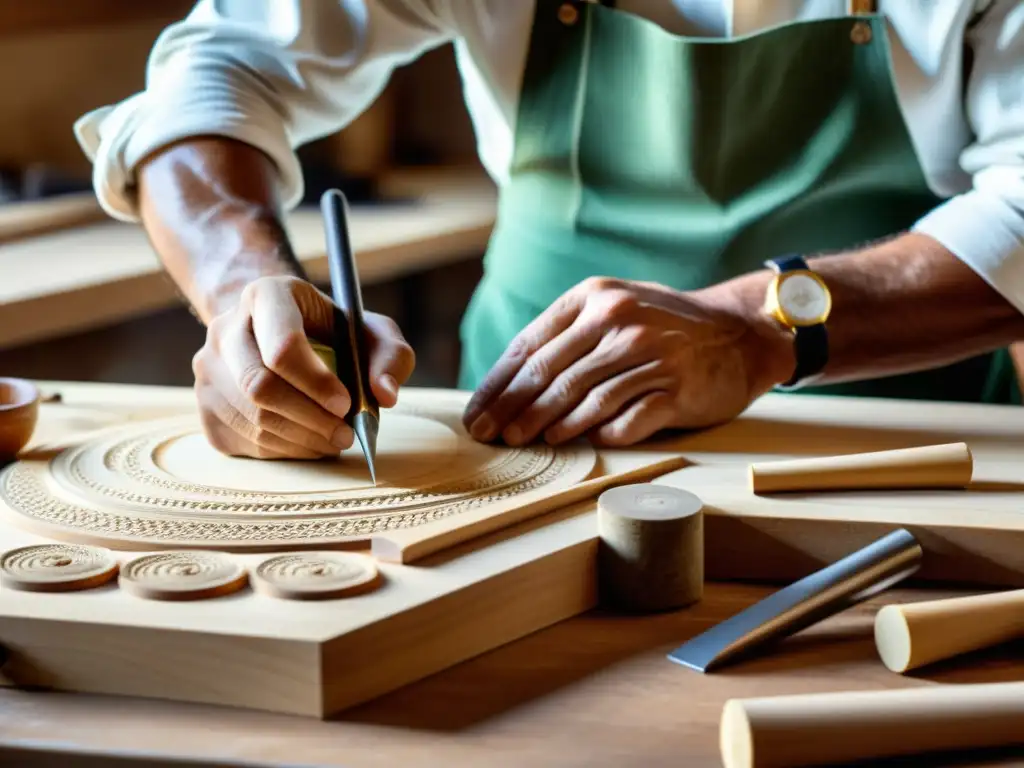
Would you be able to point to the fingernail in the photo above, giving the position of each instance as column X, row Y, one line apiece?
column 388, row 383
column 483, row 428
column 342, row 437
column 339, row 405
column 513, row 434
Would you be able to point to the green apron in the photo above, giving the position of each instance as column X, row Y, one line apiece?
column 645, row 155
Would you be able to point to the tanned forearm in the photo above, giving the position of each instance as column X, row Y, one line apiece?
column 903, row 305
column 211, row 209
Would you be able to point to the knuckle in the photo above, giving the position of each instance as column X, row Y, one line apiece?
column 199, row 365
column 598, row 401
column 598, row 284
column 266, row 420
column 257, row 384
column 619, row 306
column 277, row 358
column 264, row 438
column 536, row 372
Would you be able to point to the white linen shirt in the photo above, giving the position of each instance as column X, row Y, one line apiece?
column 279, row 73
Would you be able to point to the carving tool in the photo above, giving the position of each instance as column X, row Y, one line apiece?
column 848, row 726
column 857, row 577
column 351, row 349
column 917, row 634
column 929, row 466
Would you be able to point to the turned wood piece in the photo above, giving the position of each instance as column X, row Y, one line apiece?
column 651, row 547
column 411, row 544
column 315, row 575
column 916, row 634
column 183, row 575
column 931, row 466
column 57, row 567
column 19, row 414
column 842, row 727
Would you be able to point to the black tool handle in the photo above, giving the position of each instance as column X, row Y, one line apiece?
column 351, row 348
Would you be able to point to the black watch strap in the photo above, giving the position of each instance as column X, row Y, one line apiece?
column 810, row 342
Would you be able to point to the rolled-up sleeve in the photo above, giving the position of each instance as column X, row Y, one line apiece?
column 274, row 74
column 984, row 227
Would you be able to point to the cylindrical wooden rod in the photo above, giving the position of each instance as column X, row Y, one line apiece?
column 830, row 728
column 931, row 466
column 913, row 635
column 651, row 548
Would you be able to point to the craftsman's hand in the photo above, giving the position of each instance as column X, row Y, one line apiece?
column 619, row 361
column 262, row 390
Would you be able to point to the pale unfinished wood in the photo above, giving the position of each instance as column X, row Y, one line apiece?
column 315, row 575
column 410, row 545
column 459, row 603
column 594, row 690
column 840, row 727
column 57, row 568
column 19, row 414
column 182, row 576
column 651, row 549
column 20, row 220
column 160, row 485
column 917, row 634
column 92, row 276
column 930, row 466
column 289, row 655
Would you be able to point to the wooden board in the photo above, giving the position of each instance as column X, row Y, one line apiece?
column 255, row 650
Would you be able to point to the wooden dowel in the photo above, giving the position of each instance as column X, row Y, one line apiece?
column 932, row 466
column 830, row 728
column 913, row 635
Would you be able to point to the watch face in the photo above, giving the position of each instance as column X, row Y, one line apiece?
column 803, row 299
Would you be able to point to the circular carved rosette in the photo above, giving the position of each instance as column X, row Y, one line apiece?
column 316, row 575
column 182, row 576
column 57, row 567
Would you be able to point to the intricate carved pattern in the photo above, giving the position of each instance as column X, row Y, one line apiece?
column 313, row 574
column 172, row 574
column 56, row 565
column 243, row 519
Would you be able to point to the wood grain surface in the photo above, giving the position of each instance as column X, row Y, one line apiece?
column 595, row 690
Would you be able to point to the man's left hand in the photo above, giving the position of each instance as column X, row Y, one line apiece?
column 619, row 361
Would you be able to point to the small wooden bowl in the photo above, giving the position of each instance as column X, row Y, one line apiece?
column 19, row 414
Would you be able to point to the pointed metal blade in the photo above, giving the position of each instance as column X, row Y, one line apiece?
column 365, row 425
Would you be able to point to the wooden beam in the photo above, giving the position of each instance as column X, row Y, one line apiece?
column 18, row 17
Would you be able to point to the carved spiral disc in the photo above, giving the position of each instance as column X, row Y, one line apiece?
column 315, row 575
column 57, row 567
column 182, row 575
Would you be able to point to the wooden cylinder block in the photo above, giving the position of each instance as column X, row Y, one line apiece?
column 911, row 636
column 651, row 555
column 931, row 466
column 830, row 728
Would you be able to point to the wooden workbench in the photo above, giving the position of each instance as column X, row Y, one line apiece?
column 100, row 274
column 596, row 690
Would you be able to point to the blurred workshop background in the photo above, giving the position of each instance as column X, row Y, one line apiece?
column 83, row 298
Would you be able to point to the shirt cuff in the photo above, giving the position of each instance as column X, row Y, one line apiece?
column 117, row 138
column 985, row 232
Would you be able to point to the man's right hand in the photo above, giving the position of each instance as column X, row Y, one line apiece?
column 262, row 390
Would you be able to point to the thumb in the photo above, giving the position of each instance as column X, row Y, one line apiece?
column 392, row 360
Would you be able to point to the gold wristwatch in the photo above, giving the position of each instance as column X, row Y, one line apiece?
column 799, row 300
